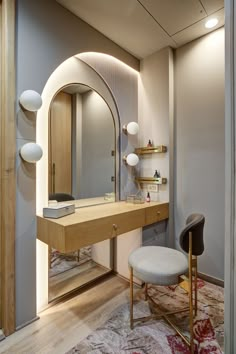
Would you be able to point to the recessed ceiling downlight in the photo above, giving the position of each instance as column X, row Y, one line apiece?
column 211, row 23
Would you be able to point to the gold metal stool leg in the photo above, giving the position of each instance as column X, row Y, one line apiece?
column 191, row 295
column 195, row 288
column 131, row 299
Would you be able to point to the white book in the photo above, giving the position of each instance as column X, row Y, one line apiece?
column 58, row 210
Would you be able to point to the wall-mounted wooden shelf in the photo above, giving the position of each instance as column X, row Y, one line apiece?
column 150, row 150
column 151, row 180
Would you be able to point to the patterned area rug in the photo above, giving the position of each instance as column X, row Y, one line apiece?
column 156, row 337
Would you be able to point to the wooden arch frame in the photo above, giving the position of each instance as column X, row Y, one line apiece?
column 7, row 162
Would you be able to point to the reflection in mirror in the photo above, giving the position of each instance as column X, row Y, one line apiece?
column 81, row 146
column 70, row 271
column 81, row 167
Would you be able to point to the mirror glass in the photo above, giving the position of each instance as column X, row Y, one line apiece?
column 81, row 165
column 81, row 146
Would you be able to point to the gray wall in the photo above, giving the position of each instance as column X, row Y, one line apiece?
column 93, row 164
column 156, row 123
column 42, row 44
column 199, row 157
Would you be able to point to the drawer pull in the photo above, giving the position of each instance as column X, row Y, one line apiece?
column 158, row 213
column 115, row 227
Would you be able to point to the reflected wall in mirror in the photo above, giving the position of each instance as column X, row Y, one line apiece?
column 81, row 145
column 81, row 166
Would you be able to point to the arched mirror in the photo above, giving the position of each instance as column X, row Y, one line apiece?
column 81, row 151
column 81, row 146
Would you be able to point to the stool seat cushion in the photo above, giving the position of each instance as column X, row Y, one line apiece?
column 158, row 265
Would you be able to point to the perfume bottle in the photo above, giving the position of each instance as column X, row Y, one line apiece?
column 149, row 143
column 148, row 199
column 156, row 174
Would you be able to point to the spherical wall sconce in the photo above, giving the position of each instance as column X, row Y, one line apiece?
column 30, row 100
column 131, row 128
column 131, row 159
column 31, row 152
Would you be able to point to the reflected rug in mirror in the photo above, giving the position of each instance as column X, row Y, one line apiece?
column 61, row 262
column 156, row 337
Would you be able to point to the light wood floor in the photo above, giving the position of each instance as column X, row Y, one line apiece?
column 62, row 326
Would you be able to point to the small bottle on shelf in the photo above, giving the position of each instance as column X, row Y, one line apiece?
column 148, row 199
column 156, row 174
column 149, row 143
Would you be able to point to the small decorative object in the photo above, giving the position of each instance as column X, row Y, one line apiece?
column 156, row 174
column 131, row 128
column 148, row 198
column 58, row 210
column 149, row 143
column 135, row 199
column 30, row 100
column 139, row 200
column 31, row 152
column 110, row 196
column 130, row 198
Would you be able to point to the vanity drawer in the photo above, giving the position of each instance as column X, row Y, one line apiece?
column 157, row 213
column 129, row 221
column 97, row 230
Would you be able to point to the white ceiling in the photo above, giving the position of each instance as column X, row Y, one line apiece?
column 143, row 27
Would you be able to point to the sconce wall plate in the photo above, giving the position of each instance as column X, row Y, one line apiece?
column 31, row 152
column 30, row 100
column 131, row 128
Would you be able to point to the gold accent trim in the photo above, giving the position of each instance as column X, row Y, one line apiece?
column 190, row 265
column 186, row 340
column 151, row 180
column 131, row 299
column 150, row 149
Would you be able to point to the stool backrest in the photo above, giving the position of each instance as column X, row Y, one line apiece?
column 195, row 225
column 61, row 197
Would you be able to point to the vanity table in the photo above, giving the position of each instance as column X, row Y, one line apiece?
column 120, row 223
column 93, row 224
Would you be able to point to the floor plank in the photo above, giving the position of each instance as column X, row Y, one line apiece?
column 62, row 326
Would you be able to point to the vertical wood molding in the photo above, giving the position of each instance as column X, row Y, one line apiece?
column 230, row 215
column 1, row 284
column 172, row 172
column 8, row 180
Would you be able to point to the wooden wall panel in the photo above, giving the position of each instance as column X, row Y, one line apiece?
column 60, row 154
column 7, row 160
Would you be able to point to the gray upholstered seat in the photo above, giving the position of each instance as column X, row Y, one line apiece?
column 158, row 265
